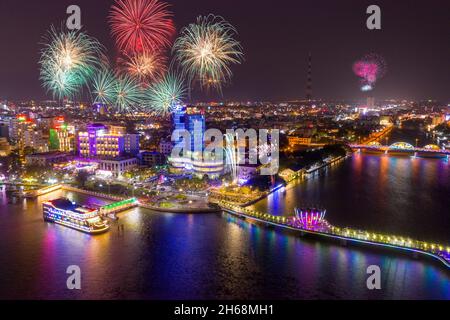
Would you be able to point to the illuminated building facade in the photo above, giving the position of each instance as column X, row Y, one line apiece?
column 295, row 141
column 193, row 121
column 100, row 142
column 62, row 136
column 34, row 139
column 5, row 147
column 117, row 166
column 16, row 127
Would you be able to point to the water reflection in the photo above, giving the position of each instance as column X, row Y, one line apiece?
column 396, row 195
column 204, row 256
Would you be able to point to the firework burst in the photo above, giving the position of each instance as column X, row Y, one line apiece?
column 127, row 94
column 103, row 87
column 166, row 94
column 141, row 25
column 206, row 49
column 68, row 60
column 144, row 67
column 369, row 69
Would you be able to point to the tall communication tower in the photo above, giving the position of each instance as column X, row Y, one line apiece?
column 309, row 79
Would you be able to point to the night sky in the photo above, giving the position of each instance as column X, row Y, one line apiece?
column 276, row 36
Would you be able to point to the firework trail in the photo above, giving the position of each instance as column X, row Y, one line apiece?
column 144, row 67
column 369, row 69
column 103, row 87
column 206, row 49
column 127, row 94
column 165, row 95
column 231, row 156
column 141, row 25
column 68, row 61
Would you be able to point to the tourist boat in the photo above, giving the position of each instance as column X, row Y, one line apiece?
column 69, row 214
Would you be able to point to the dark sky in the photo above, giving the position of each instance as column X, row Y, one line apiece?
column 276, row 36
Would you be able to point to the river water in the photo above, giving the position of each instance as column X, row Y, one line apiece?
column 217, row 256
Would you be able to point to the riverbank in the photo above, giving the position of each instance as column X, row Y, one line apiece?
column 300, row 174
column 142, row 204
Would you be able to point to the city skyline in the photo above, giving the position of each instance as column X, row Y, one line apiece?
column 274, row 69
column 224, row 156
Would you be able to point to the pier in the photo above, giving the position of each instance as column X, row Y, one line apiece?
column 116, row 207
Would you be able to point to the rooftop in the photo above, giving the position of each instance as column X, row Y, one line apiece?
column 66, row 204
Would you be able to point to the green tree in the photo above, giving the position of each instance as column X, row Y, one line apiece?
column 81, row 178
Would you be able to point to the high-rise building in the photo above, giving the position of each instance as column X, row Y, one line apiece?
column 24, row 133
column 370, row 102
column 36, row 140
column 16, row 126
column 131, row 142
column 193, row 121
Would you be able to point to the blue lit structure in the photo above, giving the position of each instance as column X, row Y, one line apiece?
column 193, row 121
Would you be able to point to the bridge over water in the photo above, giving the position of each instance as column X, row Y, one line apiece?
column 402, row 148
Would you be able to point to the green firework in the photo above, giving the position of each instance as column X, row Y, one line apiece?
column 166, row 94
column 103, row 87
column 68, row 61
column 128, row 95
column 205, row 51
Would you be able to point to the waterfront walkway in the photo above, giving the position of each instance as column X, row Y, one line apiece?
column 125, row 203
column 326, row 230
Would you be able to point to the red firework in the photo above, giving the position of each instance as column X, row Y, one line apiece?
column 141, row 25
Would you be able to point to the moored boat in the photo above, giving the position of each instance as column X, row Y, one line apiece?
column 69, row 214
